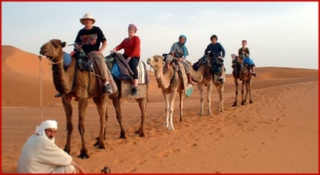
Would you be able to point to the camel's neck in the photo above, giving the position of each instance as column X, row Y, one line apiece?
column 62, row 79
column 164, row 78
column 199, row 74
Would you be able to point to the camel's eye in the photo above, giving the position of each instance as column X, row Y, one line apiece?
column 156, row 59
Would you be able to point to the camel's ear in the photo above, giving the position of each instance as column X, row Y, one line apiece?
column 63, row 44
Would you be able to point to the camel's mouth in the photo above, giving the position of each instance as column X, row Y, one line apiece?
column 45, row 52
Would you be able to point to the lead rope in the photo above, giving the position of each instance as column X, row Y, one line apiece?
column 40, row 82
column 149, row 73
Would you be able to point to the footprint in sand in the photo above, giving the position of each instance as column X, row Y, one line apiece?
column 141, row 162
column 133, row 170
column 164, row 153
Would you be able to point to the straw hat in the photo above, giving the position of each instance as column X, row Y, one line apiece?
column 87, row 16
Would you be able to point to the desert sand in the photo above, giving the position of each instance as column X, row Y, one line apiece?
column 278, row 133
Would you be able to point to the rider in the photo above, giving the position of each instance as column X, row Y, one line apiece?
column 216, row 50
column 131, row 46
column 90, row 37
column 180, row 51
column 245, row 51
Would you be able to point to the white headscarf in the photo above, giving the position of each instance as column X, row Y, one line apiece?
column 45, row 125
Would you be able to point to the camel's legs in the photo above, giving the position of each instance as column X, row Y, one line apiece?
column 143, row 109
column 200, row 87
column 242, row 92
column 171, row 109
column 236, row 92
column 101, row 103
column 82, row 106
column 220, row 88
column 249, row 86
column 117, row 107
column 181, row 93
column 167, row 108
column 66, row 101
column 209, row 90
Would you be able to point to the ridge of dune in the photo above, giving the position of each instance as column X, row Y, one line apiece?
column 20, row 79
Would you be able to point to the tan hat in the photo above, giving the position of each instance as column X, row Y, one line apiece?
column 87, row 16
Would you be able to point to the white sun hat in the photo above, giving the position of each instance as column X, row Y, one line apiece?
column 87, row 16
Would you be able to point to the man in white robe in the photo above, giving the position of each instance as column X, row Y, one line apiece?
column 41, row 155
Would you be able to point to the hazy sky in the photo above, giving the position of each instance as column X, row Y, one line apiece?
column 278, row 34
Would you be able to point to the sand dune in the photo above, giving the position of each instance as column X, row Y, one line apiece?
column 278, row 133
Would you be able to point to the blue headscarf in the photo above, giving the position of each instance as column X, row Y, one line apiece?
column 183, row 45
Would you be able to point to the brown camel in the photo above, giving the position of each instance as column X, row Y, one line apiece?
column 204, row 77
column 243, row 75
column 170, row 83
column 82, row 85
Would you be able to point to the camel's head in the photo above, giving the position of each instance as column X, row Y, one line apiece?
column 156, row 62
column 53, row 49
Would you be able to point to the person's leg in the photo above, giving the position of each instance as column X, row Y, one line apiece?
column 103, row 69
column 133, row 63
column 188, row 72
column 253, row 67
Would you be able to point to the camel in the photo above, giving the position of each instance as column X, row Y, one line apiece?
column 204, row 77
column 243, row 75
column 170, row 83
column 83, row 85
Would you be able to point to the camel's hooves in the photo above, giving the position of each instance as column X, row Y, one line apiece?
column 83, row 155
column 243, row 103
column 122, row 137
column 180, row 120
column 100, row 146
column 234, row 105
column 137, row 132
column 199, row 114
column 251, row 101
column 142, row 135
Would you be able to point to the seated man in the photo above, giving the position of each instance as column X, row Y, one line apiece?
column 41, row 155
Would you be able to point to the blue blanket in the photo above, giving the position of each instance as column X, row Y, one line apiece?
column 248, row 61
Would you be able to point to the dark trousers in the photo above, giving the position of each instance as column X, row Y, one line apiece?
column 133, row 63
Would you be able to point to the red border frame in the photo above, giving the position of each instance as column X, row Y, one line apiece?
column 157, row 1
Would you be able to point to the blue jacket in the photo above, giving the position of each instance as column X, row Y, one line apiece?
column 216, row 49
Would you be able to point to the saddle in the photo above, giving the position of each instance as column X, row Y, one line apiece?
column 213, row 63
column 84, row 61
column 179, row 68
column 174, row 63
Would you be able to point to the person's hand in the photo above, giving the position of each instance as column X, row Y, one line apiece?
column 81, row 170
column 180, row 59
column 114, row 50
column 78, row 46
column 220, row 57
column 128, row 59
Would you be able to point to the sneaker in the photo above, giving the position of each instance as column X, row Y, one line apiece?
column 107, row 89
column 134, row 91
column 58, row 95
column 254, row 74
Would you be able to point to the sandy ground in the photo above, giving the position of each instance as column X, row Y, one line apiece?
column 278, row 133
